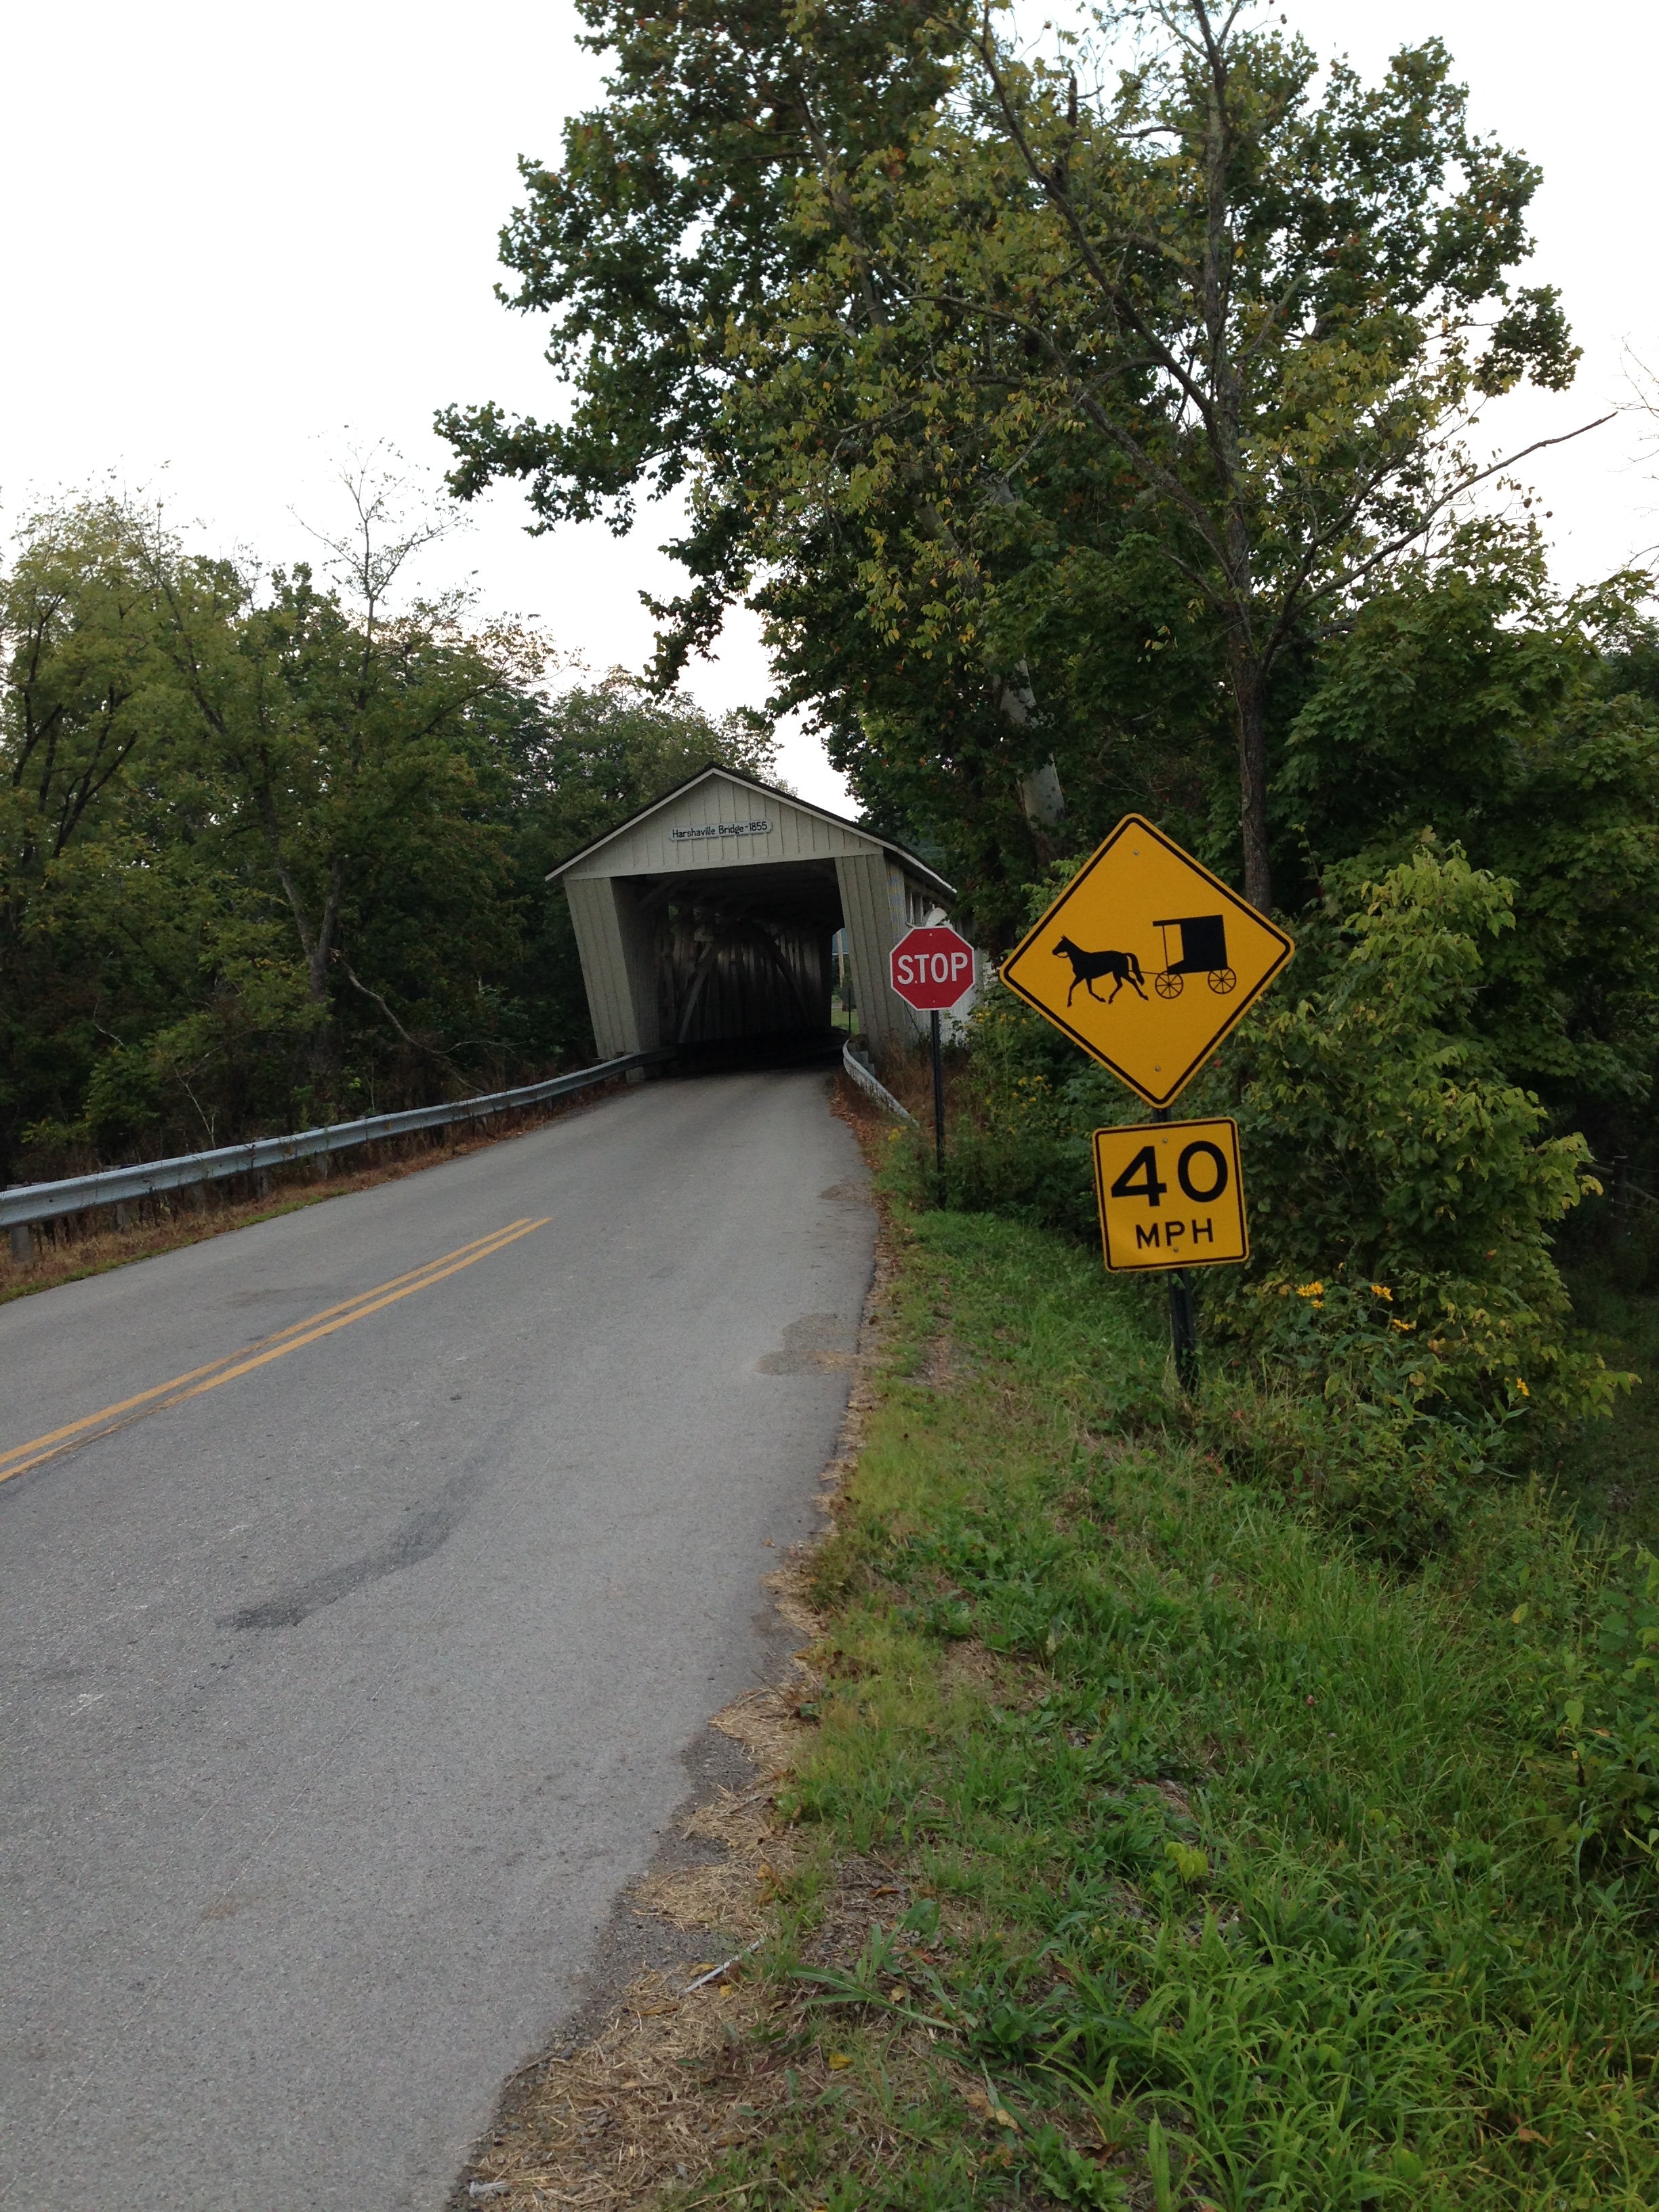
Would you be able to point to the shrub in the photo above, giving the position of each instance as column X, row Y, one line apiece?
column 1393, row 1166
column 1401, row 1324
column 1600, row 1779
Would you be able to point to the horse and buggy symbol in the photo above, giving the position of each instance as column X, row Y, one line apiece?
column 1202, row 941
column 1200, row 949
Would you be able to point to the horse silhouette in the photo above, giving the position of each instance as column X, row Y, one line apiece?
column 1124, row 967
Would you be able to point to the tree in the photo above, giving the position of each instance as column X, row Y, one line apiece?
column 672, row 216
column 335, row 736
column 79, row 635
column 83, row 693
column 255, row 841
column 1287, row 345
column 914, row 316
column 1471, row 706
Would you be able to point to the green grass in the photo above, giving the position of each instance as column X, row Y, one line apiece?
column 1247, row 1895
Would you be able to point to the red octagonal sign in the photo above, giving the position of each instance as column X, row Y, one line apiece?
column 932, row 969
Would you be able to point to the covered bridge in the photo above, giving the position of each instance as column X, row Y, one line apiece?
column 707, row 918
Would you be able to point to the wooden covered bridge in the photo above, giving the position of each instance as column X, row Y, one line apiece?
column 707, row 919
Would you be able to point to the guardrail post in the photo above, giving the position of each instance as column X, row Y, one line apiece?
column 23, row 1243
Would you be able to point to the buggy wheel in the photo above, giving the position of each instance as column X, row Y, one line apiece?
column 1167, row 984
column 1222, row 979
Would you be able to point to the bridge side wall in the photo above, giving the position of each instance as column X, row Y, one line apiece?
column 872, row 907
column 619, row 968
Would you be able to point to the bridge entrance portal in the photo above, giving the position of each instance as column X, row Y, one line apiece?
column 706, row 921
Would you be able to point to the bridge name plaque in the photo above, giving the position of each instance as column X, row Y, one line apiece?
column 720, row 830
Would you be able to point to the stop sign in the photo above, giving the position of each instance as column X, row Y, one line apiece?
column 932, row 969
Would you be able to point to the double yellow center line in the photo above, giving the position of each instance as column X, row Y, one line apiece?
column 260, row 1354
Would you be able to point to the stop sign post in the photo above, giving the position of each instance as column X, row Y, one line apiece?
column 933, row 967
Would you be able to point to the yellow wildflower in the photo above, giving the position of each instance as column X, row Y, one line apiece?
column 1404, row 1327
column 1382, row 1290
column 1522, row 1387
column 1310, row 1289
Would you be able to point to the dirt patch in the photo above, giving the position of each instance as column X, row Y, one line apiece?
column 968, row 1666
column 811, row 1345
column 1015, row 1685
column 939, row 1369
column 603, row 2124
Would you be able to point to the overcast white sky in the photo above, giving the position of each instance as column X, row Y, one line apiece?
column 239, row 239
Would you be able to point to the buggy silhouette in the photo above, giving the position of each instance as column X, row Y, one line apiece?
column 1202, row 941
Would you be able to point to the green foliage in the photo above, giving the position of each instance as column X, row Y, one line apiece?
column 1070, row 2177
column 1355, row 1441
column 1387, row 1147
column 1470, row 703
column 123, row 1100
column 269, row 851
column 1401, row 1335
column 1600, row 1691
column 1006, row 482
column 1243, row 1872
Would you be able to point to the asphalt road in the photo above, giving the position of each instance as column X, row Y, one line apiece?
column 343, row 1686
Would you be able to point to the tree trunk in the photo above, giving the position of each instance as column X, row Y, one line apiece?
column 317, row 944
column 1249, row 700
column 1041, row 797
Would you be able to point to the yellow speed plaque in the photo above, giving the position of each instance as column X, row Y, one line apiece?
column 1147, row 960
column 1170, row 1195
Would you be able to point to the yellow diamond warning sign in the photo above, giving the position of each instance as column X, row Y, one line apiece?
column 1147, row 960
column 1170, row 1195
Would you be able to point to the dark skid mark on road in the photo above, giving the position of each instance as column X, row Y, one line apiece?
column 426, row 1530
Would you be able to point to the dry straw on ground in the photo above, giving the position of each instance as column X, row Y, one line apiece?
column 672, row 2078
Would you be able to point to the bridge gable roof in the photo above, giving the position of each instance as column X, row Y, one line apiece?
column 722, row 818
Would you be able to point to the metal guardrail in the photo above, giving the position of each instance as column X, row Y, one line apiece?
column 27, row 1203
column 866, row 1079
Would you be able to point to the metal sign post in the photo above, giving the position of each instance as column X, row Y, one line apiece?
column 1183, row 1329
column 1183, row 1320
column 933, row 970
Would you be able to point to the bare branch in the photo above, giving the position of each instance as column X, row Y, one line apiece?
column 1062, row 200
column 1448, row 498
column 414, row 1043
